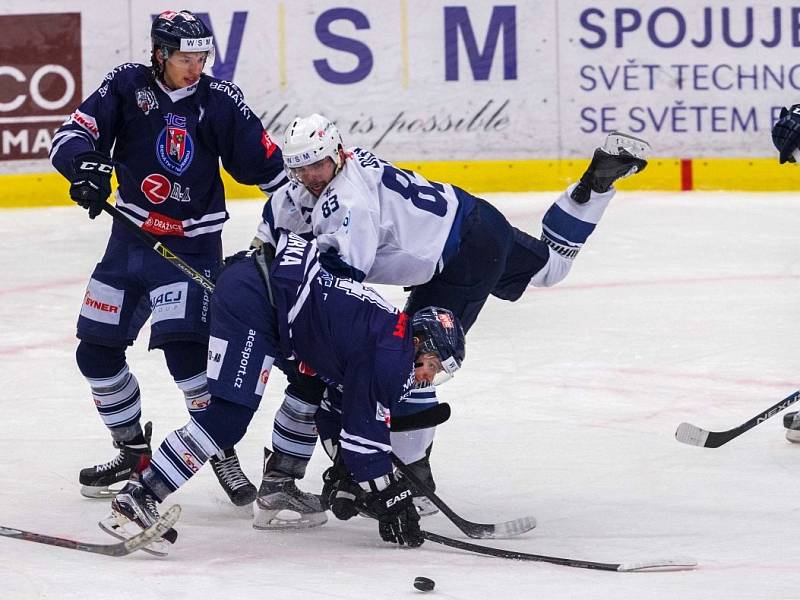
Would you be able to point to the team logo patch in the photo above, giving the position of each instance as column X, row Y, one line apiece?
column 269, row 145
column 102, row 303
column 217, row 348
column 146, row 100
column 446, row 320
column 156, row 188
column 169, row 302
column 382, row 414
column 263, row 377
column 174, row 146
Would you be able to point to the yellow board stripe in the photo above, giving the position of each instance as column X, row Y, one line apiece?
column 664, row 174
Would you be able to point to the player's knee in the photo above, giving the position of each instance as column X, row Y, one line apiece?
column 185, row 359
column 98, row 362
column 225, row 422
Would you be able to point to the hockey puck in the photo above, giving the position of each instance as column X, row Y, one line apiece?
column 423, row 584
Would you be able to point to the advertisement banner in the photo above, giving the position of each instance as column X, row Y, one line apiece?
column 41, row 74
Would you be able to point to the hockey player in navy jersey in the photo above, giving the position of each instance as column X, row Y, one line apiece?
column 370, row 355
column 163, row 128
column 378, row 223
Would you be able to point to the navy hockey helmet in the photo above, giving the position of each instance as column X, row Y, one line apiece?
column 438, row 331
column 181, row 31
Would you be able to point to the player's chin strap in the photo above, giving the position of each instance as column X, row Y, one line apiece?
column 263, row 257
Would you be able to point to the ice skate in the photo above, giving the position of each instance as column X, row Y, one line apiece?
column 621, row 156
column 281, row 505
column 132, row 510
column 131, row 458
column 229, row 473
column 792, row 423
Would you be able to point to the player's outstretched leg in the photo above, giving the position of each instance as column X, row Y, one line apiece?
column 622, row 155
column 279, row 496
column 792, row 423
column 133, row 456
column 229, row 473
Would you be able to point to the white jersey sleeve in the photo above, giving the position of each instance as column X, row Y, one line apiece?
column 284, row 211
column 390, row 224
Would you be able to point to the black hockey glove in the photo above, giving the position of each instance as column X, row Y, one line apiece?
column 398, row 520
column 91, row 181
column 340, row 494
column 786, row 133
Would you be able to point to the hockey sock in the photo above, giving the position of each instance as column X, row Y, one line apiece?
column 294, row 432
column 187, row 365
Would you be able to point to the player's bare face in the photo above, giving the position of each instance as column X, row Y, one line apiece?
column 183, row 69
column 426, row 366
column 316, row 176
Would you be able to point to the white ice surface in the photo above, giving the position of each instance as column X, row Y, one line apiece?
column 682, row 307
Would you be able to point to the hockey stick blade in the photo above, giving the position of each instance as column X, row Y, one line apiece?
column 137, row 542
column 668, row 564
column 697, row 436
column 505, row 529
column 430, row 417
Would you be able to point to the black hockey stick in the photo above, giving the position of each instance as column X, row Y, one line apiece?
column 137, row 542
column 430, row 417
column 696, row 436
column 158, row 247
column 667, row 564
column 474, row 530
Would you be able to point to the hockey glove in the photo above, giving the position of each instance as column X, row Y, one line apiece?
column 340, row 494
column 398, row 520
column 91, row 181
column 786, row 133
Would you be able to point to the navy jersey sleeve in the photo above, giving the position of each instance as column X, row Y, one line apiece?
column 92, row 126
column 246, row 150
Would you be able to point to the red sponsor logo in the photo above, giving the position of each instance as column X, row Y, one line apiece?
column 160, row 225
column 156, row 188
column 97, row 305
column 90, row 126
column 446, row 320
column 188, row 460
column 269, row 145
column 400, row 326
column 305, row 369
column 199, row 403
column 264, row 377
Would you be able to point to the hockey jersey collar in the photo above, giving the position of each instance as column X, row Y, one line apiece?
column 176, row 95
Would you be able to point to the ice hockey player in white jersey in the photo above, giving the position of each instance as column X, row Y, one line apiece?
column 377, row 223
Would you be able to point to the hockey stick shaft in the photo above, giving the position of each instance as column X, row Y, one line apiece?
column 674, row 564
column 469, row 528
column 137, row 542
column 697, row 436
column 159, row 248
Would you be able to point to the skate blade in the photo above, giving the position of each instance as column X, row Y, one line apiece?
column 123, row 529
column 793, row 436
column 239, row 512
column 100, row 491
column 277, row 519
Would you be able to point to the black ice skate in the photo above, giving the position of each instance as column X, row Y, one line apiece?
column 132, row 510
column 132, row 457
column 792, row 423
column 621, row 156
column 281, row 505
column 232, row 479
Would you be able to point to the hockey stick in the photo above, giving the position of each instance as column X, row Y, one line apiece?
column 158, row 247
column 474, row 530
column 667, row 564
column 137, row 542
column 696, row 436
column 430, row 417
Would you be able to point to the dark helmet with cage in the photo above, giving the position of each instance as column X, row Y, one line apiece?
column 179, row 31
column 438, row 331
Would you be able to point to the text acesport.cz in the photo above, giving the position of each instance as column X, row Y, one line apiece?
column 248, row 346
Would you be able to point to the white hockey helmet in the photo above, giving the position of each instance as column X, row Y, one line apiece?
column 310, row 139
